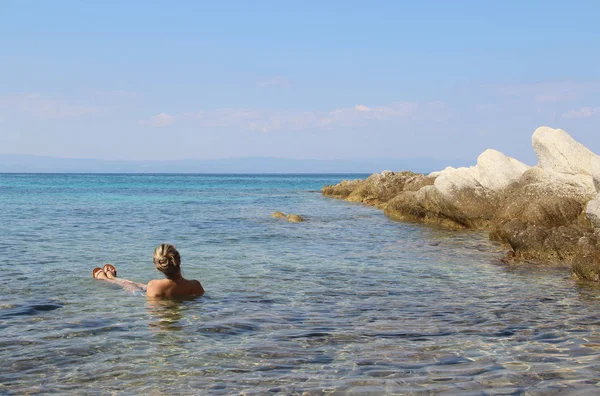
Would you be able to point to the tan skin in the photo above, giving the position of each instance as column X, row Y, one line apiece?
column 177, row 286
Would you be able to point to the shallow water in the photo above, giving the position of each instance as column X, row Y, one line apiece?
column 348, row 301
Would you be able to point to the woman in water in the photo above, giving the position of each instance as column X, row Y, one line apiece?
column 167, row 261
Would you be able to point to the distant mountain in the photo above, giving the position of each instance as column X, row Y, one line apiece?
column 11, row 163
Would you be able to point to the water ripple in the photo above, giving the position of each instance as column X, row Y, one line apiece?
column 347, row 302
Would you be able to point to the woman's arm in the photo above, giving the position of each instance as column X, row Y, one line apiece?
column 127, row 284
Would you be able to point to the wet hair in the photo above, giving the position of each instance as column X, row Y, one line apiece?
column 167, row 260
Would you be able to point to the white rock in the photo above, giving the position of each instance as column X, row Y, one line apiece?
column 560, row 184
column 559, row 152
column 494, row 171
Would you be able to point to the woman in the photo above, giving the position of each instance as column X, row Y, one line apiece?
column 167, row 261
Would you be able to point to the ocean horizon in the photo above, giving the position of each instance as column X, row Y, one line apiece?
column 347, row 301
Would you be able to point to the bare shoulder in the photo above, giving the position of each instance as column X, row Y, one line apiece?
column 155, row 288
column 197, row 287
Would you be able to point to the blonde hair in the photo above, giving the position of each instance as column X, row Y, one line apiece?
column 167, row 260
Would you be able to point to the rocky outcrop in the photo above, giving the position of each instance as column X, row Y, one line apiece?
column 549, row 212
column 378, row 188
column 342, row 190
column 541, row 219
column 463, row 197
column 545, row 215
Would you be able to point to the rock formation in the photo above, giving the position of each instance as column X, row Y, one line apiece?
column 378, row 188
column 463, row 197
column 549, row 212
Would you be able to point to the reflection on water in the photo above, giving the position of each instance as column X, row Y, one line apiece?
column 346, row 302
column 168, row 314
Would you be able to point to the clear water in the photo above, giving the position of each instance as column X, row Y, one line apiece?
column 348, row 301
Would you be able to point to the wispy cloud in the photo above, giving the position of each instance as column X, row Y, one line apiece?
column 584, row 112
column 274, row 82
column 159, row 120
column 360, row 114
column 38, row 105
column 265, row 121
column 547, row 92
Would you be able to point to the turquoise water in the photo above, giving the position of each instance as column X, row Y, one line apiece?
column 348, row 301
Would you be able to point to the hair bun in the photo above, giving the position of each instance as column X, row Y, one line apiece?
column 167, row 259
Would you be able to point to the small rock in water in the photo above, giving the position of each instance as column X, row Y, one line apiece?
column 294, row 218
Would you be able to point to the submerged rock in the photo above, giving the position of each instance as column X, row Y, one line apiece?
column 549, row 212
column 292, row 218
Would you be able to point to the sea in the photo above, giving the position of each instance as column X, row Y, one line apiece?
column 346, row 302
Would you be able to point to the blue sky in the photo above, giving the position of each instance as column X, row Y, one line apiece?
column 295, row 79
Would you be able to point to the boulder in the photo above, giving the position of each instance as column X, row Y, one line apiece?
column 278, row 215
column 494, row 172
column 294, row 218
column 559, row 152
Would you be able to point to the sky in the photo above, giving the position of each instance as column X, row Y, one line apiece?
column 163, row 80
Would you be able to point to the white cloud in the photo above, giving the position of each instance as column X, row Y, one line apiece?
column 37, row 105
column 265, row 121
column 159, row 120
column 274, row 82
column 584, row 112
column 360, row 114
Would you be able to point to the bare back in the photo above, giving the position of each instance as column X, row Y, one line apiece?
column 174, row 288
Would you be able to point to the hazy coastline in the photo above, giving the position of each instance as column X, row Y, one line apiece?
column 13, row 163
